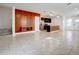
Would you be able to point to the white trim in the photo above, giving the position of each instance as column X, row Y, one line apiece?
column 13, row 21
column 37, row 23
column 63, row 24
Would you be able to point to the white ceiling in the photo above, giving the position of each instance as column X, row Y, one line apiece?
column 58, row 8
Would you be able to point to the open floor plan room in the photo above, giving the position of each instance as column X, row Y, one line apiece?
column 39, row 29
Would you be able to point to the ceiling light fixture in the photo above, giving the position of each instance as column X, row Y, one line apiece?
column 76, row 8
column 58, row 16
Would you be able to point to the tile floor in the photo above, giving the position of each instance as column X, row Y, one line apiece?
column 41, row 43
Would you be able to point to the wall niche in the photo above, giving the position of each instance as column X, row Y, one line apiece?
column 24, row 20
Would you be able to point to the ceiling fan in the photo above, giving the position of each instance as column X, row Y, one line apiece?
column 68, row 4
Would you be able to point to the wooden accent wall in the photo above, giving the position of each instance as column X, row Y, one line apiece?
column 30, row 18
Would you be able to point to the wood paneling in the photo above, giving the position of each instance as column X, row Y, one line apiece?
column 30, row 18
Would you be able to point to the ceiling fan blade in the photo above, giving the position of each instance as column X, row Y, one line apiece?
column 68, row 4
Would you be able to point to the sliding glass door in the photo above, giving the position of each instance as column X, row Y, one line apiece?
column 76, row 24
column 72, row 24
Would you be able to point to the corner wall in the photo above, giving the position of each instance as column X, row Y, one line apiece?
column 5, row 18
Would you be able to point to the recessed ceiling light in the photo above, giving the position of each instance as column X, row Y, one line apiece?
column 76, row 8
column 51, row 14
column 58, row 16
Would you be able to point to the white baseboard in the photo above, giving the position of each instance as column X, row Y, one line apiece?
column 25, row 32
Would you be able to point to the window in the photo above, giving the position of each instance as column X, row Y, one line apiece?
column 69, row 22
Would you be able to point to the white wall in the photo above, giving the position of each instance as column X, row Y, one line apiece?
column 73, row 25
column 37, row 23
column 57, row 21
column 5, row 17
